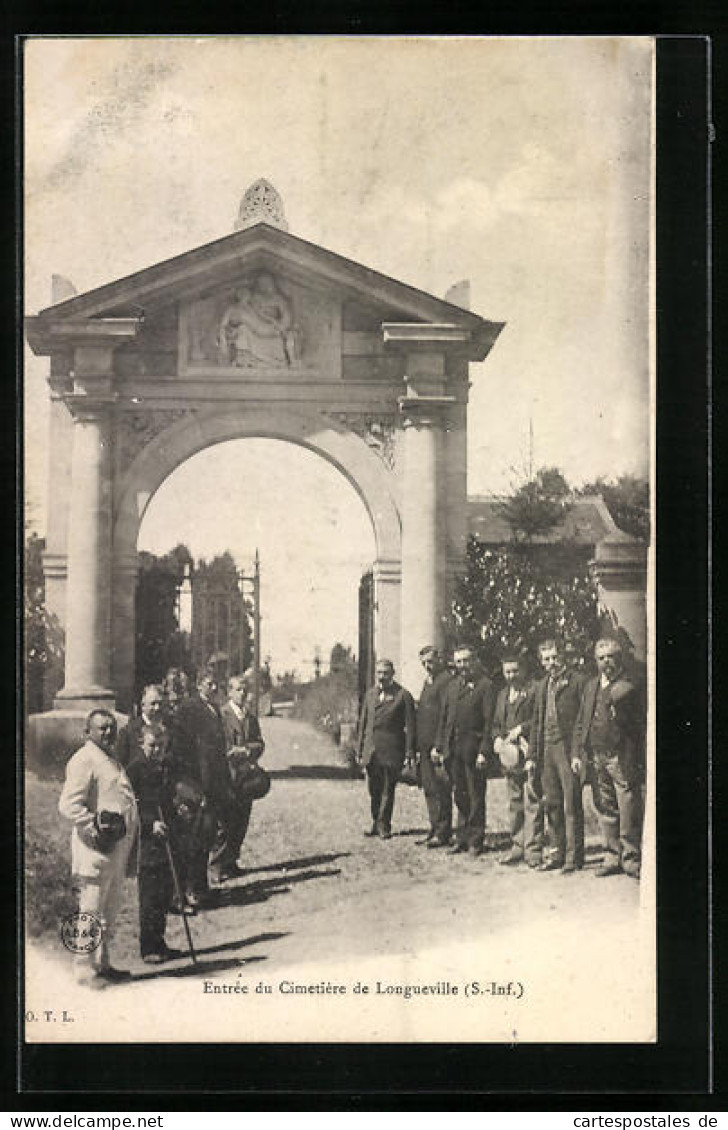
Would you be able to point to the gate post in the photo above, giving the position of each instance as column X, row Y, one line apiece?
column 620, row 569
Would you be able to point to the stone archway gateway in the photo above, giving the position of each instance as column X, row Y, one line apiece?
column 259, row 333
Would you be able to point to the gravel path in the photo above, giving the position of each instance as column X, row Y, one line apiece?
column 319, row 896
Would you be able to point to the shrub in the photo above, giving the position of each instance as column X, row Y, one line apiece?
column 49, row 893
column 511, row 599
column 328, row 701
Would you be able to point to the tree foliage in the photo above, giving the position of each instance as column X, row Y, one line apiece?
column 43, row 634
column 160, row 644
column 342, row 659
column 537, row 506
column 511, row 600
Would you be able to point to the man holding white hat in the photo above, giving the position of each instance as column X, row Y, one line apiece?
column 511, row 730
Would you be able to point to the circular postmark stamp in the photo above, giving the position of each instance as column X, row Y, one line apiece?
column 81, row 932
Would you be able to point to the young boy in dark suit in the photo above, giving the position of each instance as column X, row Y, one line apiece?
column 150, row 773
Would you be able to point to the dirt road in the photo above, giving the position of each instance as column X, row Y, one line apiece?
column 319, row 899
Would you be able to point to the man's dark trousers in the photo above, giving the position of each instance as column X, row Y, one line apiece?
column 437, row 787
column 230, row 836
column 618, row 800
column 525, row 815
column 155, row 895
column 469, row 785
column 562, row 797
column 382, row 780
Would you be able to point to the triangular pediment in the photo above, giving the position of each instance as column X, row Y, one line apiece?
column 222, row 262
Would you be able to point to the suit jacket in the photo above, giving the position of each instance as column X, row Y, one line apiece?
column 521, row 716
column 569, row 692
column 199, row 746
column 240, row 731
column 152, row 781
column 387, row 728
column 467, row 720
column 94, row 783
column 429, row 710
column 628, row 718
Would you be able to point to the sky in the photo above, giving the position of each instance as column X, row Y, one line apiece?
column 522, row 165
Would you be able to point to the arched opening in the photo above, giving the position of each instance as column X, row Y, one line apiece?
column 225, row 482
column 313, row 535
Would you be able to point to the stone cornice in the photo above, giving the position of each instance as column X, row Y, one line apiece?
column 429, row 336
column 47, row 336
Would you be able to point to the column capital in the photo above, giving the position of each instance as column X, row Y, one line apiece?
column 426, row 411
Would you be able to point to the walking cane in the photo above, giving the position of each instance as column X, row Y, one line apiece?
column 179, row 895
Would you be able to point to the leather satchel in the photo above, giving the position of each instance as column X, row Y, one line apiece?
column 109, row 828
column 250, row 782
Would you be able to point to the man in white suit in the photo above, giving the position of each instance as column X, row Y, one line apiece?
column 98, row 799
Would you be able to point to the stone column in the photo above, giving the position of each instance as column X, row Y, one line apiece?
column 620, row 569
column 387, row 576
column 123, row 623
column 424, row 531
column 87, row 675
column 456, row 495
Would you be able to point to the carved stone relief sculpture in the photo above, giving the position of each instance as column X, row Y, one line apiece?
column 378, row 432
column 251, row 326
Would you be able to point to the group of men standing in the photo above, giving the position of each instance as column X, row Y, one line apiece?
column 167, row 798
column 547, row 739
column 180, row 780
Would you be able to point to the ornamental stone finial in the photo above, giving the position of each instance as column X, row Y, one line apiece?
column 261, row 204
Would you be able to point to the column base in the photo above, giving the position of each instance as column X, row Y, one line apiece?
column 84, row 698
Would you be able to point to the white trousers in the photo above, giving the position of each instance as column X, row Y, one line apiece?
column 101, row 896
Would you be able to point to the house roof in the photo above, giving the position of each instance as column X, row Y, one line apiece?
column 203, row 266
column 586, row 523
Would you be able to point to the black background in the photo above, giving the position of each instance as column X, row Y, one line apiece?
column 678, row 1072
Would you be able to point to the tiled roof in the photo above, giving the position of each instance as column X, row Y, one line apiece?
column 586, row 522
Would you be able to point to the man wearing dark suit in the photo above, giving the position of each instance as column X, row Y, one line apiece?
column 199, row 751
column 386, row 738
column 464, row 742
column 557, row 701
column 129, row 742
column 436, row 783
column 511, row 734
column 609, row 743
column 245, row 745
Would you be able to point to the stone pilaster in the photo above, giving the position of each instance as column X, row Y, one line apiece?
column 620, row 569
column 424, row 530
column 387, row 576
column 87, row 674
column 123, row 625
